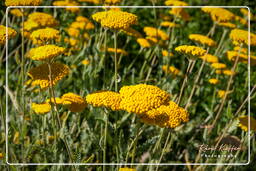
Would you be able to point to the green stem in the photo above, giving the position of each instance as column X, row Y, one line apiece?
column 115, row 44
column 105, row 142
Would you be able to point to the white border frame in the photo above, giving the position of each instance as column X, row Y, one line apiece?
column 130, row 164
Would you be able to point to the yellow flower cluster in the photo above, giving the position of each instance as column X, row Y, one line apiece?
column 118, row 51
column 181, row 13
column 43, row 36
column 218, row 65
column 210, row 58
column 45, row 52
column 40, row 74
column 154, row 32
column 202, row 39
column 90, row 1
column 57, row 100
column 221, row 93
column 232, row 55
column 11, row 33
column 191, row 50
column 16, row 12
column 213, row 81
column 244, row 123
column 115, row 19
column 142, row 98
column 170, row 70
column 169, row 24
column 41, row 108
column 111, row 2
column 132, row 32
column 74, row 102
column 246, row 13
column 23, row 2
column 241, row 20
column 241, row 36
column 86, row 62
column 225, row 72
column 175, row 3
column 67, row 3
column 106, row 99
column 219, row 14
column 126, row 169
column 43, row 19
column 82, row 25
column 145, row 43
column 165, row 53
column 227, row 24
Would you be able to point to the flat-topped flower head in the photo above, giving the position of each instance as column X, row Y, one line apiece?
column 74, row 102
column 142, row 98
column 213, row 81
column 241, row 36
column 165, row 53
column 219, row 14
column 111, row 2
column 108, row 99
column 45, row 52
column 175, row 3
column 244, row 123
column 40, row 74
column 227, row 25
column 191, row 51
column 169, row 24
column 88, row 25
column 43, row 19
column 11, row 33
column 115, row 19
column 68, row 3
column 210, row 58
column 132, row 32
column 23, row 2
column 221, row 93
column 56, row 100
column 16, row 12
column 154, row 32
column 43, row 36
column 202, row 39
column 42, row 108
column 218, row 65
column 145, row 43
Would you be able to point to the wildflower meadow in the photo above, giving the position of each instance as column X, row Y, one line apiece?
column 109, row 85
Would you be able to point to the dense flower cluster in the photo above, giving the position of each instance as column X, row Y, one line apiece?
column 42, row 19
column 42, row 36
column 11, row 33
column 169, row 24
column 213, row 81
column 227, row 24
column 115, row 19
column 221, row 93
column 241, row 36
column 154, row 32
column 16, row 12
column 218, row 65
column 23, row 2
column 202, row 39
column 175, row 3
column 74, row 102
column 41, row 108
column 67, row 3
column 145, row 43
column 165, row 53
column 191, row 50
column 219, row 14
column 210, row 58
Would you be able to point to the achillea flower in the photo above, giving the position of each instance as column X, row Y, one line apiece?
column 154, row 32
column 221, row 93
column 246, row 13
column 242, row 50
column 73, row 32
column 165, row 53
column 175, row 3
column 82, row 25
column 115, row 19
column 11, row 33
column 90, row 1
column 144, row 42
column 169, row 24
column 244, row 123
column 126, row 169
column 192, row 51
column 202, row 39
column 16, row 12
column 112, row 2
column 42, row 36
column 218, row 71
column 170, row 70
column 232, row 55
column 74, row 102
column 23, row 2
column 164, row 17
column 169, row 116
column 30, row 25
column 213, row 81
column 218, row 65
column 131, row 32
column 71, row 41
column 108, row 99
column 210, row 58
column 40, row 74
column 43, row 19
column 86, row 62
column 241, row 20
column 119, row 51
column 67, row 3
column 2, row 156
column 154, row 40
column 142, row 98
column 241, row 36
column 52, row 100
column 181, row 13
column 42, row 108
column 219, row 14
column 82, row 19
column 227, row 24
column 228, row 72
column 45, row 52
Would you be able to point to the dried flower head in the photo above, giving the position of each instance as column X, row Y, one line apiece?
column 43, row 36
column 42, row 108
column 74, row 102
column 202, row 39
column 180, row 13
column 11, row 33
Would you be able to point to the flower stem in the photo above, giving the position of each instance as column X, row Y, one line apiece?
column 105, row 142
column 115, row 44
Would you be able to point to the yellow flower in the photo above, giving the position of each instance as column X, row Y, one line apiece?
column 74, row 102
column 82, row 25
column 85, row 62
column 11, row 33
column 154, row 32
column 115, row 19
column 126, row 169
column 16, row 12
column 228, row 72
column 219, row 14
column 42, row 108
column 71, row 41
column 242, row 50
column 1, row 156
column 112, row 1
column 166, row 54
column 45, row 52
column 57, row 100
column 108, row 99
column 181, row 13
column 202, row 39
column 191, row 50
column 213, row 81
column 227, row 24
column 67, row 3
column 169, row 24
column 170, row 116
column 142, row 98
column 218, row 65
column 241, row 20
column 82, row 19
column 246, row 13
column 218, row 71
column 131, row 32
column 30, row 25
column 43, row 36
column 22, row 2
column 241, row 36
column 43, row 19
column 16, row 138
column 91, row 1
column 244, row 123
column 210, row 58
column 221, row 93
column 119, row 51
column 73, row 32
column 144, row 42
column 175, row 3
column 40, row 74
column 171, row 70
